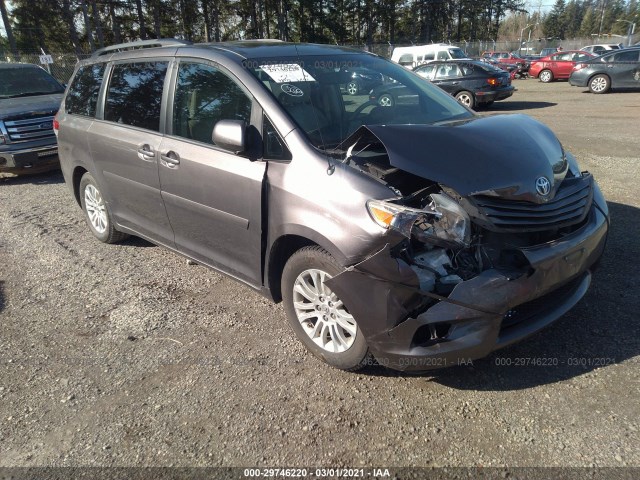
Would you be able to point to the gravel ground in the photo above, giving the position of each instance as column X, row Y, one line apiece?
column 125, row 355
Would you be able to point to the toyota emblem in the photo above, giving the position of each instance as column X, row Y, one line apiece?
column 543, row 186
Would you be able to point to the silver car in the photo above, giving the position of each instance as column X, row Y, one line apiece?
column 410, row 235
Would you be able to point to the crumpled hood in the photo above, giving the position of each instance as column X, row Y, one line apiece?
column 26, row 106
column 499, row 155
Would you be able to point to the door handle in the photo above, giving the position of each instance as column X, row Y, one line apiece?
column 145, row 152
column 170, row 159
column 455, row 83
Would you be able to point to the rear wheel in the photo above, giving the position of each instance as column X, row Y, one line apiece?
column 385, row 100
column 546, row 76
column 97, row 212
column 599, row 84
column 318, row 317
column 466, row 98
column 353, row 88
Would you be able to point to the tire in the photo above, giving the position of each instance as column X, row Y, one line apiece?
column 386, row 100
column 353, row 88
column 313, row 311
column 546, row 76
column 599, row 84
column 466, row 98
column 97, row 212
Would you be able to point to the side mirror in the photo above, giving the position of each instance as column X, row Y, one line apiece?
column 230, row 135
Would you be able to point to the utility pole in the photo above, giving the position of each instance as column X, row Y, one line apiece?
column 604, row 4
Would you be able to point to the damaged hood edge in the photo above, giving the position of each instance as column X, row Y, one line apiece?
column 500, row 155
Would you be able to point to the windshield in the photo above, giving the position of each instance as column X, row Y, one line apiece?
column 27, row 81
column 329, row 98
column 457, row 53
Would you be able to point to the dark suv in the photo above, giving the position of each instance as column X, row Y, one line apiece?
column 29, row 99
column 410, row 234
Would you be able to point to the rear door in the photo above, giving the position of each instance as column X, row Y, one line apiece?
column 624, row 68
column 447, row 77
column 213, row 197
column 124, row 144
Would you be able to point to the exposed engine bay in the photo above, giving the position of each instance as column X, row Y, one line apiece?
column 449, row 238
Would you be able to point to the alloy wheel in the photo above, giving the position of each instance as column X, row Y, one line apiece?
column 386, row 101
column 599, row 84
column 95, row 208
column 546, row 76
column 321, row 313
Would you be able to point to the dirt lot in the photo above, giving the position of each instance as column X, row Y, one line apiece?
column 126, row 355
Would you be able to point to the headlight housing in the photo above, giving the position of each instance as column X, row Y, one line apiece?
column 442, row 222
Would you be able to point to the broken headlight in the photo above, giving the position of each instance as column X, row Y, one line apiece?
column 441, row 222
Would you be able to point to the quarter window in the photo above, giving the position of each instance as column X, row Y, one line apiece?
column 273, row 146
column 134, row 96
column 83, row 92
column 204, row 95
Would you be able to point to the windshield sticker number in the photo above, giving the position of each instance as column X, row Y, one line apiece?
column 287, row 72
column 292, row 90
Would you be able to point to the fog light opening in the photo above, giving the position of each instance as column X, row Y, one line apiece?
column 428, row 335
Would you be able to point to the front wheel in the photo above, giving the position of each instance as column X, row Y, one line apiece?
column 353, row 88
column 546, row 76
column 318, row 317
column 97, row 212
column 599, row 84
column 466, row 98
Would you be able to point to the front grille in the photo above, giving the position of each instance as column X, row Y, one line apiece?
column 569, row 207
column 29, row 129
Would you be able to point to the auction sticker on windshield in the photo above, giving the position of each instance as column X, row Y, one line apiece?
column 287, row 72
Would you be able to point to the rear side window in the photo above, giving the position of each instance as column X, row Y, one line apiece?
column 626, row 56
column 426, row 72
column 83, row 92
column 204, row 95
column 134, row 95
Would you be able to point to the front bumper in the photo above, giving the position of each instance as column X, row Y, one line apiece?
column 488, row 312
column 30, row 159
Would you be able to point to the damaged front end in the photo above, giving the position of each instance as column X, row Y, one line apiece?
column 475, row 269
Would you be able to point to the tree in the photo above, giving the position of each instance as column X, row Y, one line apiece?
column 589, row 24
column 554, row 26
column 8, row 29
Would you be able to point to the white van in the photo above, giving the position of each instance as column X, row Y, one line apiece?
column 411, row 57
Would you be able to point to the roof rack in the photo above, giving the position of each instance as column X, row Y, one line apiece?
column 122, row 47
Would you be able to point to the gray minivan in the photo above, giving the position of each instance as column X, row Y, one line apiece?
column 409, row 235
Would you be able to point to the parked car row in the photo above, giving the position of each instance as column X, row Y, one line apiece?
column 617, row 68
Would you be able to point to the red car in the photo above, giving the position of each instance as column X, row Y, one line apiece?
column 505, row 57
column 558, row 65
